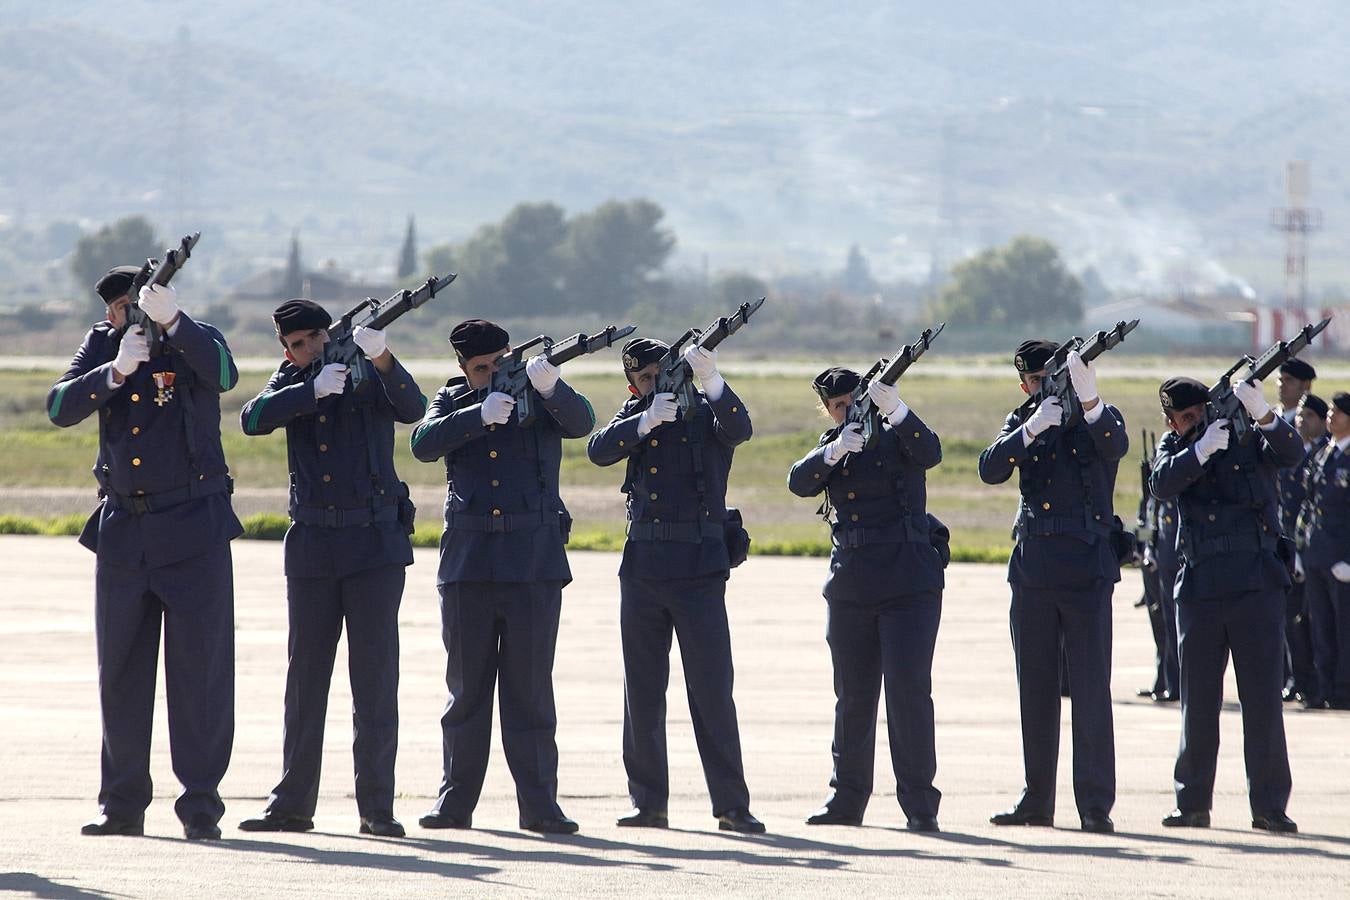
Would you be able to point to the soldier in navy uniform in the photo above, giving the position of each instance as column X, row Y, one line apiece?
column 673, row 578
column 1294, row 379
column 1158, row 571
column 1230, row 593
column 884, row 595
column 162, row 539
column 1300, row 684
column 503, row 567
column 1326, row 561
column 346, row 552
column 1063, row 570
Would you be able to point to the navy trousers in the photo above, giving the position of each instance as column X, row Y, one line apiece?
column 1300, row 672
column 500, row 634
column 1040, row 618
column 1162, row 613
column 1250, row 626
column 1329, row 622
column 695, row 611
column 872, row 643
column 194, row 598
column 368, row 602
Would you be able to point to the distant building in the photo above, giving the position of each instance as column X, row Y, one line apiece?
column 1215, row 322
column 329, row 286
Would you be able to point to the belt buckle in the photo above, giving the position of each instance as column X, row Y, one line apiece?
column 332, row 518
column 660, row 531
column 140, row 505
column 496, row 524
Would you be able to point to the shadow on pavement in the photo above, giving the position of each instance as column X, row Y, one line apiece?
column 29, row 883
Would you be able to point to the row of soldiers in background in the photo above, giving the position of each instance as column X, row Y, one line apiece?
column 1313, row 514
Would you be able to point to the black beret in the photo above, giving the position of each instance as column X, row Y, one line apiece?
column 1341, row 400
column 835, row 381
column 116, row 283
column 300, row 315
column 1297, row 368
column 642, row 352
column 1182, row 393
column 1314, row 404
column 477, row 337
column 1031, row 356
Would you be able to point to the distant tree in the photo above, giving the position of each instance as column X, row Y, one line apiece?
column 1022, row 283
column 1095, row 291
column 440, row 259
column 858, row 280
column 407, row 257
column 481, row 264
column 731, row 289
column 613, row 253
column 293, row 283
column 531, row 277
column 126, row 242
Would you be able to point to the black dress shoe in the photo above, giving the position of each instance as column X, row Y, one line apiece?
column 560, row 825
column 382, row 825
column 741, row 821
column 201, row 828
column 277, row 821
column 445, row 820
column 1315, row 703
column 922, row 823
column 827, row 816
column 1098, row 823
column 1196, row 818
column 106, row 824
column 1276, row 822
column 644, row 818
column 1019, row 816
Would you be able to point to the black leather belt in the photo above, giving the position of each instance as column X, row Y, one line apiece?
column 502, row 523
column 341, row 518
column 680, row 532
column 140, row 504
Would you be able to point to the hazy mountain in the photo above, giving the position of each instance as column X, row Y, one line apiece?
column 1142, row 136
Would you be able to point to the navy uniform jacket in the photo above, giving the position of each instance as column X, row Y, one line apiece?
column 1293, row 490
column 1067, row 479
column 147, row 448
column 880, row 532
column 1230, row 511
column 504, row 519
column 662, row 482
column 1327, row 517
column 329, row 451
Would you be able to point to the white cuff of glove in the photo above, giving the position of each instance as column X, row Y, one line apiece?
column 897, row 415
column 713, row 386
column 112, row 379
column 1091, row 416
column 644, row 425
column 1274, row 422
column 828, row 455
column 1027, row 436
column 1202, row 457
column 168, row 332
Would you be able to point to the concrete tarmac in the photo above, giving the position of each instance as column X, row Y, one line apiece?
column 49, row 764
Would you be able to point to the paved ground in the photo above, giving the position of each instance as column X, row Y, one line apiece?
column 49, row 766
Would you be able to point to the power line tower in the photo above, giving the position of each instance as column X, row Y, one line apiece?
column 1297, row 221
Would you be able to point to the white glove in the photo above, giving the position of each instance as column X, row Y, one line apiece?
column 160, row 302
column 887, row 399
column 1252, row 400
column 1149, row 560
column 1049, row 414
column 497, row 408
column 850, row 440
column 1299, row 575
column 1083, row 377
column 663, row 409
column 135, row 349
column 703, row 362
column 371, row 341
column 542, row 374
column 1212, row 441
column 332, row 379
column 1341, row 571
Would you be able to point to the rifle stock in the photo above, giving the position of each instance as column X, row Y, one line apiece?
column 379, row 315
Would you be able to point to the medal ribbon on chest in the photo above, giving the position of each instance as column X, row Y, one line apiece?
column 164, row 387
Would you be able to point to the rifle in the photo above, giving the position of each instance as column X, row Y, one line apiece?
column 1224, row 404
column 673, row 374
column 160, row 273
column 510, row 377
column 1143, row 529
column 1056, row 381
column 341, row 346
column 884, row 371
